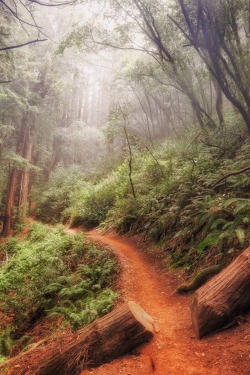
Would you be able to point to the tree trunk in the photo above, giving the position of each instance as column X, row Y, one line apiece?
column 86, row 105
column 10, row 202
column 198, row 115
column 12, row 188
column 219, row 101
column 107, row 338
column 223, row 297
column 25, row 178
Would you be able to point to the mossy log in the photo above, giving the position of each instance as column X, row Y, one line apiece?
column 222, row 298
column 109, row 337
column 200, row 278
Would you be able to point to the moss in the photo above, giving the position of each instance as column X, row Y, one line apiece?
column 199, row 279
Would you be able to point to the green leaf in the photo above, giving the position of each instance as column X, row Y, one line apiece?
column 218, row 223
column 244, row 206
column 210, row 240
column 240, row 233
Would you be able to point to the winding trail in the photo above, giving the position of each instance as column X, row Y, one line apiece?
column 174, row 350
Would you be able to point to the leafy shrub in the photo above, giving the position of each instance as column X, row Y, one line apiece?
column 55, row 199
column 91, row 203
column 85, row 295
column 179, row 200
column 6, row 343
column 53, row 272
column 179, row 206
column 34, row 265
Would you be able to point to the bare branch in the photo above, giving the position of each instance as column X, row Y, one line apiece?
column 53, row 4
column 33, row 18
column 133, row 18
column 231, row 174
column 140, row 49
column 130, row 152
column 23, row 44
column 14, row 13
column 153, row 31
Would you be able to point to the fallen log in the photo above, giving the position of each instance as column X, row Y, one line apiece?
column 224, row 297
column 109, row 337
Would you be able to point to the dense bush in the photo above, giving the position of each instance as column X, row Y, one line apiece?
column 179, row 198
column 90, row 203
column 55, row 198
column 53, row 273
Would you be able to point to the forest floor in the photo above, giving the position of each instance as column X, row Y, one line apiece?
column 174, row 349
column 145, row 279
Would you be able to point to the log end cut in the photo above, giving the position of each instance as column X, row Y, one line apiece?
column 141, row 316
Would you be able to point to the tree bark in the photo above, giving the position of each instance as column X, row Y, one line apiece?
column 219, row 102
column 107, row 338
column 13, row 180
column 223, row 297
column 25, row 177
column 224, row 66
column 10, row 202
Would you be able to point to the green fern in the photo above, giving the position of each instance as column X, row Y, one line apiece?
column 74, row 292
column 39, row 276
column 210, row 240
column 6, row 342
column 3, row 359
column 240, row 233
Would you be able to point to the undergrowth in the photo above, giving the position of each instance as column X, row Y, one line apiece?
column 51, row 273
column 181, row 200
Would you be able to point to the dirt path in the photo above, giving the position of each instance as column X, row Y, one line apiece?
column 174, row 350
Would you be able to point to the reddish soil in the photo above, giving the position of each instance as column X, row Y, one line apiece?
column 174, row 350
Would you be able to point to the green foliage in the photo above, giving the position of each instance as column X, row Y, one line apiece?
column 178, row 200
column 209, row 240
column 90, row 203
column 2, row 359
column 38, row 232
column 6, row 343
column 56, row 198
column 11, row 246
column 34, row 265
column 85, row 295
column 86, row 308
column 51, row 272
column 19, row 162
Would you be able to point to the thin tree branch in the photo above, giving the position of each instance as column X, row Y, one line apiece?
column 231, row 174
column 133, row 18
column 16, row 15
column 33, row 19
column 130, row 153
column 22, row 45
column 107, row 44
column 153, row 31
column 52, row 4
column 156, row 160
